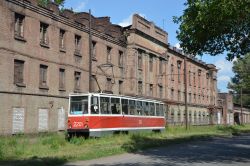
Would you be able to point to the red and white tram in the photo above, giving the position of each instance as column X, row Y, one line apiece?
column 96, row 114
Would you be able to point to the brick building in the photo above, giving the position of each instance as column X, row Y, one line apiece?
column 45, row 56
column 225, row 109
column 231, row 112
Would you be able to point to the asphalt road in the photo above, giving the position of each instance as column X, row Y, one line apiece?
column 216, row 151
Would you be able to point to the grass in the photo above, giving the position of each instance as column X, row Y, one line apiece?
column 53, row 149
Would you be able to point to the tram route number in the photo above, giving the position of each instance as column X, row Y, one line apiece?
column 77, row 124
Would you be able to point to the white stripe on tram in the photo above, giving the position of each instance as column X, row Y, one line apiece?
column 129, row 128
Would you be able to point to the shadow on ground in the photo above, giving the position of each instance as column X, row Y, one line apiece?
column 217, row 151
column 35, row 161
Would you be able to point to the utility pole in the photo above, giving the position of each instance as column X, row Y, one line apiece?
column 185, row 81
column 90, row 53
column 241, row 112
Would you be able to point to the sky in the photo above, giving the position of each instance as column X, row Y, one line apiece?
column 160, row 12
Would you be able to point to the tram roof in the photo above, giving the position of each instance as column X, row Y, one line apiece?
column 117, row 96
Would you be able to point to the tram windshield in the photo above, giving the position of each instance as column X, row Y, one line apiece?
column 79, row 105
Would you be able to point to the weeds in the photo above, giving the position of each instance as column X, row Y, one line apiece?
column 1, row 150
column 53, row 141
column 50, row 149
column 77, row 141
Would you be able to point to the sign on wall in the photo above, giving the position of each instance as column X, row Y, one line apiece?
column 42, row 119
column 18, row 120
column 61, row 119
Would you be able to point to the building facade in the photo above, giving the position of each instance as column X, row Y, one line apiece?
column 241, row 114
column 45, row 56
column 230, row 112
column 225, row 109
column 155, row 69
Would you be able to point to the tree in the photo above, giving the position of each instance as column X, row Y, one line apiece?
column 46, row 2
column 215, row 26
column 241, row 80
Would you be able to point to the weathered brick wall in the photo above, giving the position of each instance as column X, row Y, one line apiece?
column 31, row 98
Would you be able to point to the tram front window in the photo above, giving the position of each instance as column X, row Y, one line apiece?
column 79, row 105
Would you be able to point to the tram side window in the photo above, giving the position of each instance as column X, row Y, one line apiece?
column 157, row 109
column 161, row 110
column 146, row 108
column 139, row 108
column 132, row 107
column 79, row 105
column 115, row 105
column 105, row 105
column 94, row 105
column 125, row 106
column 165, row 111
column 152, row 109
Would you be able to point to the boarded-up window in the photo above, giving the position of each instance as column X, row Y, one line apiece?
column 18, row 71
column 61, row 79
column 61, row 119
column 18, row 120
column 43, row 120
